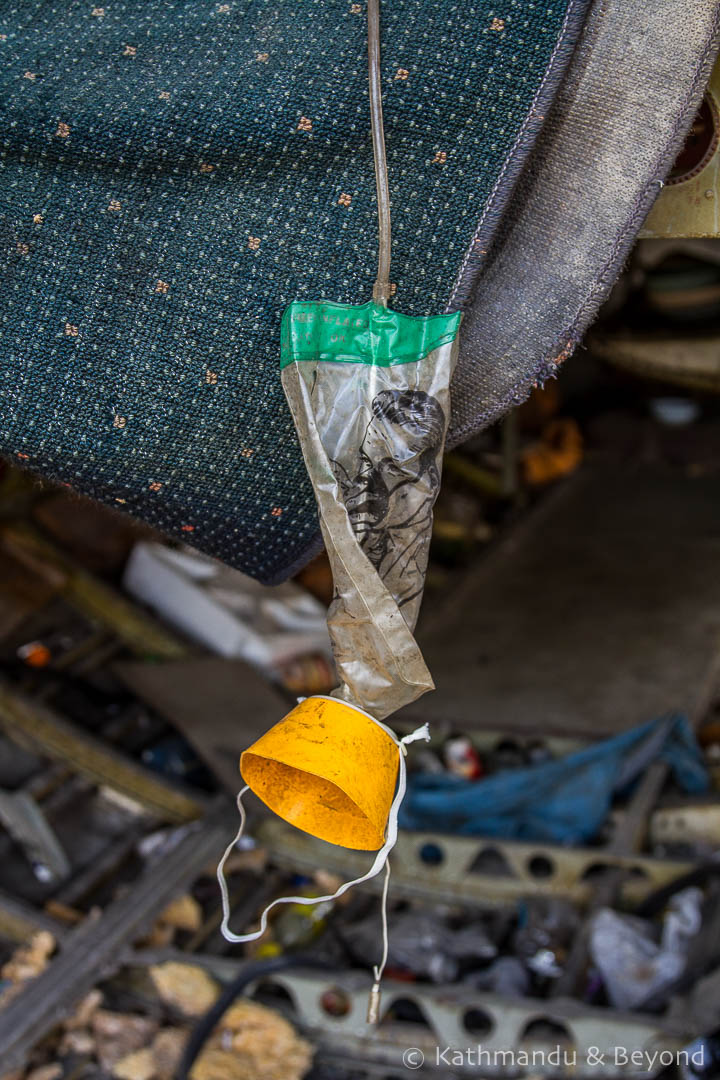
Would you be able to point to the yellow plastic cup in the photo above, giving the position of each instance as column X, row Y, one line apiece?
column 328, row 769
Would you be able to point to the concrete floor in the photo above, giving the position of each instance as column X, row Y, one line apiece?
column 602, row 610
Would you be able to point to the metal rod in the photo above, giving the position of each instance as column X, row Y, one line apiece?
column 381, row 291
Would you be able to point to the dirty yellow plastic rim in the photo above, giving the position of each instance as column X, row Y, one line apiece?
column 328, row 769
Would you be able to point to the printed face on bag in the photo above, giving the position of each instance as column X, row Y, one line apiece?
column 405, row 424
column 389, row 500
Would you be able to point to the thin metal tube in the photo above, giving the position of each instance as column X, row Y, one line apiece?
column 381, row 291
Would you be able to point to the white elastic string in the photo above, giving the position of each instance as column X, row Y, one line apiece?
column 379, row 862
column 378, row 969
column 221, row 866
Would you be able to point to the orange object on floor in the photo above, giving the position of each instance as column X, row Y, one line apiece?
column 559, row 452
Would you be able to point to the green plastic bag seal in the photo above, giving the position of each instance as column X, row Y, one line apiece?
column 361, row 333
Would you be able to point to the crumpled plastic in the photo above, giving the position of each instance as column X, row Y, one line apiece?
column 421, row 943
column 633, row 966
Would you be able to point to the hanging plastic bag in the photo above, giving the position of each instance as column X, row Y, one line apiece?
column 369, row 392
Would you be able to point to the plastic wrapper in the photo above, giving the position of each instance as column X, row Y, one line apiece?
column 634, row 966
column 545, row 933
column 369, row 393
column 422, row 944
column 507, row 976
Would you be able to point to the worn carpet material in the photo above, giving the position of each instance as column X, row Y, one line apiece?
column 611, row 137
column 173, row 174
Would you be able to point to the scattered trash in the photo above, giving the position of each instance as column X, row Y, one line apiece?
column 138, row 1065
column 559, row 453
column 674, row 411
column 82, row 1017
column 167, row 1049
column 35, row 654
column 422, row 945
column 546, row 931
column 185, row 986
column 27, row 962
column 633, row 965
column 46, row 1072
column 704, row 1059
column 564, row 801
column 296, row 925
column 173, row 717
column 252, row 1042
column 507, row 976
column 117, row 1035
column 228, row 612
column 184, row 913
column 461, row 758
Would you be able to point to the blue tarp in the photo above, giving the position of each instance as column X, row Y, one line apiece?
column 564, row 801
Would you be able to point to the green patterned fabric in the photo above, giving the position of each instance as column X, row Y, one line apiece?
column 173, row 174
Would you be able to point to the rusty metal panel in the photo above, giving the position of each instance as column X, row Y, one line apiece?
column 689, row 204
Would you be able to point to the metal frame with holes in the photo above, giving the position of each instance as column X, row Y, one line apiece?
column 461, row 1020
column 450, row 869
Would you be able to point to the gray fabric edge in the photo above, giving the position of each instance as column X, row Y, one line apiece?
column 490, row 338
column 492, row 214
